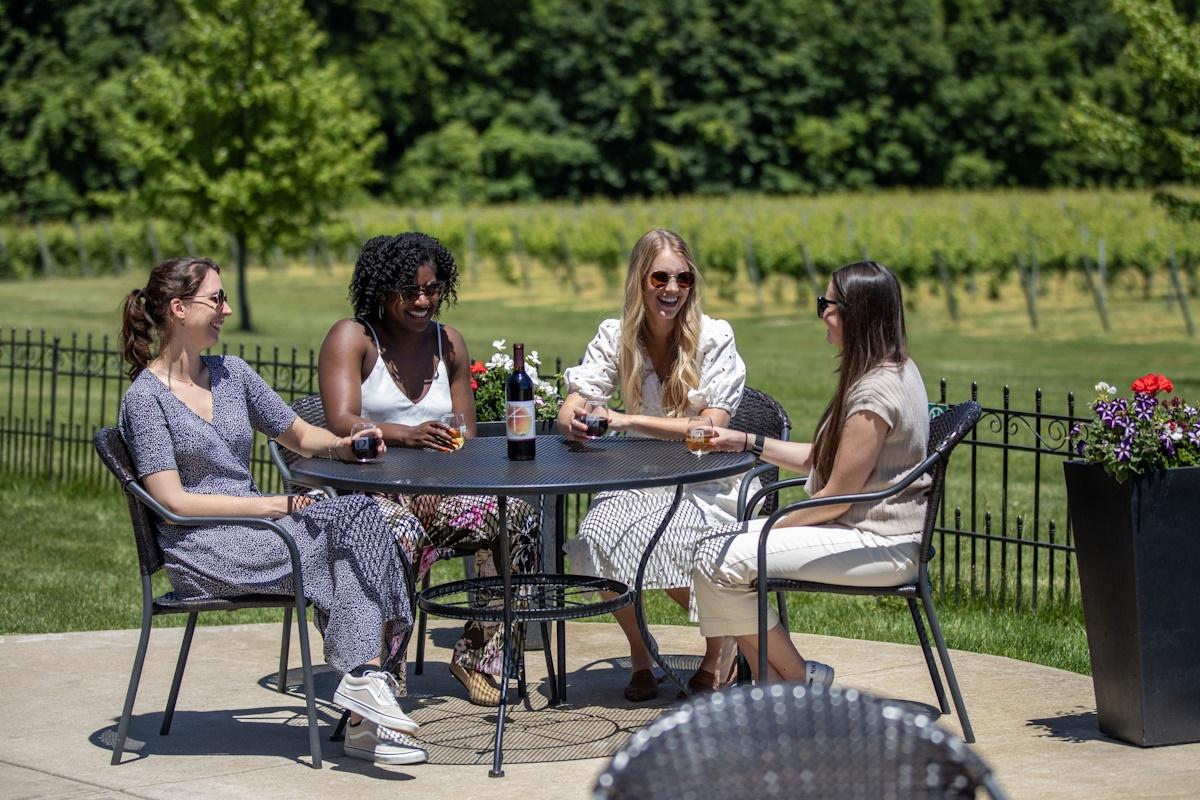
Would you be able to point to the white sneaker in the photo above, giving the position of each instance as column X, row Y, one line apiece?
column 818, row 674
column 371, row 742
column 374, row 697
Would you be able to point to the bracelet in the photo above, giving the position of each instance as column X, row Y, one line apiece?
column 745, row 441
column 757, row 447
column 332, row 456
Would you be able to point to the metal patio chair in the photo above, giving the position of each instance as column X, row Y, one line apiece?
column 113, row 452
column 789, row 741
column 945, row 431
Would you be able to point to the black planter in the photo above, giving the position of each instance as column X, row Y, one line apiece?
column 1137, row 544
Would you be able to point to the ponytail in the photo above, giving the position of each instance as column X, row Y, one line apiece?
column 137, row 333
column 144, row 314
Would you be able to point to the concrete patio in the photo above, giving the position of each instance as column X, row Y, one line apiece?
column 234, row 736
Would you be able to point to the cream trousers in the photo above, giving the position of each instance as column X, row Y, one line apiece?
column 727, row 565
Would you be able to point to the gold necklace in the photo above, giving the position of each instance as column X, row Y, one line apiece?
column 168, row 379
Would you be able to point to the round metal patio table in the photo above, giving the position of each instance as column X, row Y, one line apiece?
column 562, row 467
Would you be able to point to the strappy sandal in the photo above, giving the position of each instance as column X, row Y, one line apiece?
column 642, row 686
column 704, row 682
column 481, row 687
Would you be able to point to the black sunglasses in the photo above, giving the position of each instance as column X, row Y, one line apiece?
column 823, row 304
column 218, row 300
column 684, row 280
column 433, row 290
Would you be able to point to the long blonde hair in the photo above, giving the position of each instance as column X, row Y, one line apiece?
column 684, row 372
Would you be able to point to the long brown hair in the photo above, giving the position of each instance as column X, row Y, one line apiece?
column 872, row 314
column 684, row 372
column 144, row 314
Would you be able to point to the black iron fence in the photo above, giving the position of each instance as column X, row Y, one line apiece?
column 1004, row 535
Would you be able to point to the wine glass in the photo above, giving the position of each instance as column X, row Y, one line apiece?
column 595, row 416
column 365, row 446
column 457, row 424
column 699, row 432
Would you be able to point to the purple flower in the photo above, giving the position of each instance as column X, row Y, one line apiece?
column 1194, row 435
column 1076, row 429
column 1122, row 450
column 1081, row 445
column 1167, row 444
column 1190, row 411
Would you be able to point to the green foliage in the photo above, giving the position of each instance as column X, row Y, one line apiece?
column 1165, row 51
column 239, row 127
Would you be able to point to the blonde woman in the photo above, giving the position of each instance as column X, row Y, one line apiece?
column 669, row 362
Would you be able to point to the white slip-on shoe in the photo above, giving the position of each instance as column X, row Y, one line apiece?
column 372, row 742
column 374, row 696
column 818, row 674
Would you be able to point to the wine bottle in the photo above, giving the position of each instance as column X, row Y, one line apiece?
column 519, row 415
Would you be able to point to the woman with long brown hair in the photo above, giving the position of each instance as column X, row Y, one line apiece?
column 189, row 422
column 871, row 434
column 669, row 362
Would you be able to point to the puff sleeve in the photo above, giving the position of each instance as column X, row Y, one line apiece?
column 596, row 376
column 722, row 371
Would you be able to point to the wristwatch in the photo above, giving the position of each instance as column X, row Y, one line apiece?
column 757, row 447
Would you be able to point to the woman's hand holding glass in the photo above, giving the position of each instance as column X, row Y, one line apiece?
column 456, row 423
column 727, row 440
column 365, row 442
column 432, row 435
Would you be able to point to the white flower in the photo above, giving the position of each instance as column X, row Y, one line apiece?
column 498, row 344
column 532, row 358
column 1104, row 388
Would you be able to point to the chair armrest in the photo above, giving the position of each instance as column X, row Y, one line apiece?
column 261, row 523
column 746, row 509
column 838, row 499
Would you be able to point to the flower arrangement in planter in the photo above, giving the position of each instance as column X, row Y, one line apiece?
column 1135, row 507
column 487, row 382
column 1133, row 436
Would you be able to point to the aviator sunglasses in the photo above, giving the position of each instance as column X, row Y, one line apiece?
column 684, row 280
column 432, row 290
column 823, row 304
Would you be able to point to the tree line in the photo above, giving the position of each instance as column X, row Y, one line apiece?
column 474, row 100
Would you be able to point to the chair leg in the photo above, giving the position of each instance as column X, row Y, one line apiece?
column 947, row 667
column 923, row 638
column 550, row 672
column 135, row 677
column 184, row 648
column 310, row 695
column 339, row 732
column 781, row 601
column 281, row 683
column 419, row 668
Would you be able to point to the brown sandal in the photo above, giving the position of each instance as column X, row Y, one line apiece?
column 702, row 682
column 642, row 686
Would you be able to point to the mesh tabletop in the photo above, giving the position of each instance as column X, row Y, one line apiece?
column 561, row 467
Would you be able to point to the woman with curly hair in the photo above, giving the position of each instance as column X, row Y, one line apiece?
column 392, row 364
column 670, row 362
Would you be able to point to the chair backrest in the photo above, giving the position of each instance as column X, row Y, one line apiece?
column 110, row 445
column 758, row 412
column 785, row 740
column 945, row 431
column 310, row 409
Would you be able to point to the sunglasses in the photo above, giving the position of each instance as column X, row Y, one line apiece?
column 433, row 290
column 823, row 304
column 684, row 280
column 218, row 300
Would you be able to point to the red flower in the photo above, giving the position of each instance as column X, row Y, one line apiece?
column 478, row 369
column 1152, row 384
column 474, row 385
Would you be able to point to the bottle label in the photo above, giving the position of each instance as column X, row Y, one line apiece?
column 520, row 419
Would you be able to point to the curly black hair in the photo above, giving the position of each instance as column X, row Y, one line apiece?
column 386, row 263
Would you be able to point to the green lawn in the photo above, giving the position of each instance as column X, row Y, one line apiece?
column 70, row 565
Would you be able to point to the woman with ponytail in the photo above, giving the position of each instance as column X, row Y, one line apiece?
column 189, row 422
column 873, row 432
column 669, row 362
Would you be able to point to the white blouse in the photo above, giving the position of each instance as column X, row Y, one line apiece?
column 722, row 371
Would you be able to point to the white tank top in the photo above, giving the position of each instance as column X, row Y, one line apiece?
column 383, row 401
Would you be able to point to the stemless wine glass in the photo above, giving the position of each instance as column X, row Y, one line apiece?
column 457, row 424
column 595, row 416
column 366, row 447
column 699, row 432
